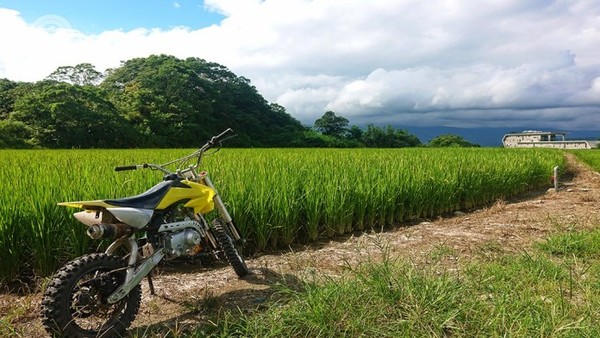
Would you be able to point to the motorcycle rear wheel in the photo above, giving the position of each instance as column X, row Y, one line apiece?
column 231, row 253
column 74, row 303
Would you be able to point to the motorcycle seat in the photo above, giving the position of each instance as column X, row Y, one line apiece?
column 146, row 200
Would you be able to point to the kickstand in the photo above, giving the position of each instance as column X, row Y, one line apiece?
column 150, row 284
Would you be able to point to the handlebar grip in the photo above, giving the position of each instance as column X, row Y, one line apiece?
column 126, row 167
column 217, row 139
column 131, row 167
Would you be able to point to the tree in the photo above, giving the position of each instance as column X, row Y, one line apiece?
column 157, row 101
column 61, row 115
column 376, row 137
column 354, row 134
column 174, row 103
column 450, row 140
column 7, row 97
column 331, row 124
column 83, row 74
column 14, row 134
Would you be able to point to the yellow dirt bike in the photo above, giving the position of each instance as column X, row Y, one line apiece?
column 99, row 295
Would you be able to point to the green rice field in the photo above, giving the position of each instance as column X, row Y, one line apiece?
column 276, row 196
column 589, row 157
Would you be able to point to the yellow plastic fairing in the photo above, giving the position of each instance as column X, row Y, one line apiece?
column 199, row 195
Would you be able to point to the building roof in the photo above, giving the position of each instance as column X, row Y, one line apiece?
column 537, row 132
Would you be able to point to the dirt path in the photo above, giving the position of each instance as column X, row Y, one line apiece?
column 186, row 298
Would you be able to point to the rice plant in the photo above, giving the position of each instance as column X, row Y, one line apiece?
column 276, row 196
column 590, row 157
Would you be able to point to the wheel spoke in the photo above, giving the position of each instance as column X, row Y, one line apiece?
column 86, row 283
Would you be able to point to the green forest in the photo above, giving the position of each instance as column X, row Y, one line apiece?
column 158, row 101
column 163, row 102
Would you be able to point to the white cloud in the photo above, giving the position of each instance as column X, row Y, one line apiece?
column 444, row 62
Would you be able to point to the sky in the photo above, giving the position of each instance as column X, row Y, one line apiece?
column 455, row 63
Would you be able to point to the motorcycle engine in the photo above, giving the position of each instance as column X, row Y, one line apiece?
column 182, row 242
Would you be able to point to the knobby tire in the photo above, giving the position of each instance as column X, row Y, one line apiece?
column 231, row 253
column 71, row 302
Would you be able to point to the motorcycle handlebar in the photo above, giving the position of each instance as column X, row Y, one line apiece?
column 131, row 167
column 219, row 138
column 215, row 140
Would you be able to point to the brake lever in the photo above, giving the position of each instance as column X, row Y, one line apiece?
column 228, row 137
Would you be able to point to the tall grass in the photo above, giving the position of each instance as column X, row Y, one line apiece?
column 276, row 196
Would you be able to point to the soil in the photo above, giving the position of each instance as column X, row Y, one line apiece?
column 189, row 295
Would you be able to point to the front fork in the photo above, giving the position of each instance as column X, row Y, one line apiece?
column 225, row 216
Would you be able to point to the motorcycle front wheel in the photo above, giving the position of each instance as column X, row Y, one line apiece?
column 74, row 303
column 231, row 252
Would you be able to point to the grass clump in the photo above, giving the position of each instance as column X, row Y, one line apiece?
column 576, row 243
column 381, row 300
column 522, row 295
column 527, row 296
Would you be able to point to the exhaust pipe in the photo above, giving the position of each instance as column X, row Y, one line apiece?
column 112, row 231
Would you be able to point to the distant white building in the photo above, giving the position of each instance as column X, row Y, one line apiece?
column 544, row 139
